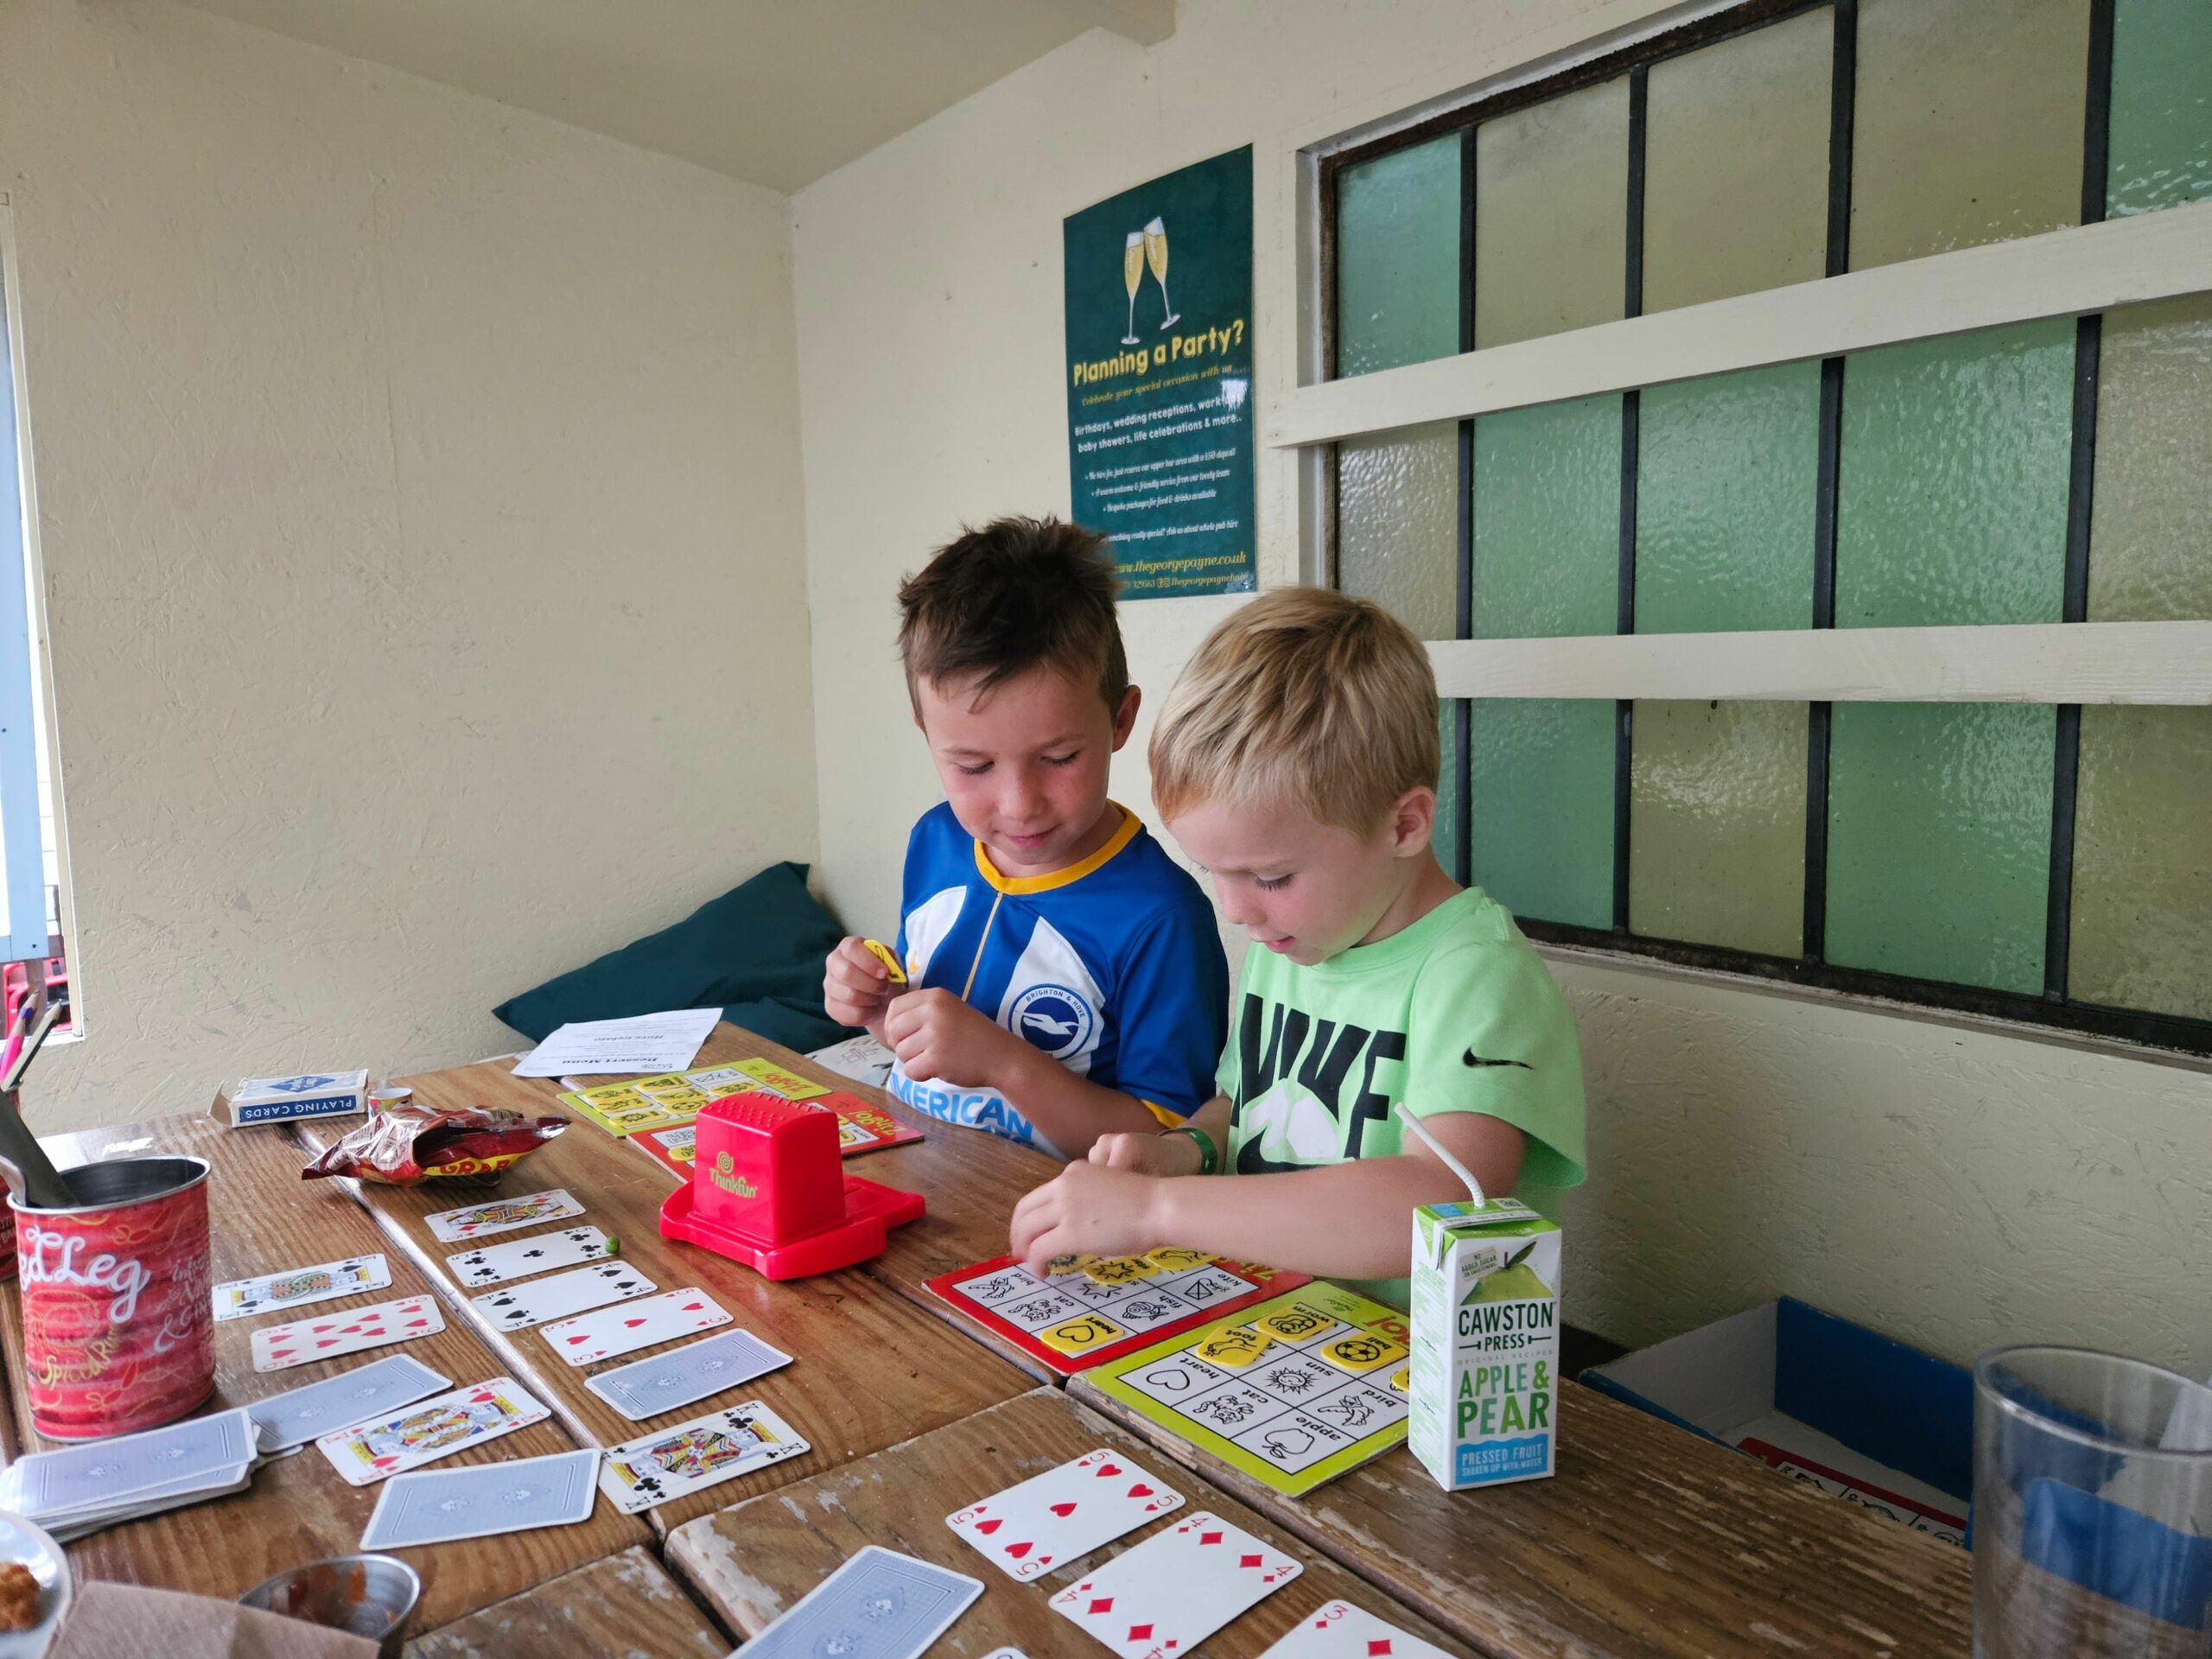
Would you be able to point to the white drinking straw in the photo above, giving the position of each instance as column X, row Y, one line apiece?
column 1474, row 1186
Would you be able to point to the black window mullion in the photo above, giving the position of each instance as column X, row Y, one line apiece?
column 2089, row 347
column 1463, row 712
column 1820, row 717
column 1632, row 411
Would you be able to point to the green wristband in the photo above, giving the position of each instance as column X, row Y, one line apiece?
column 1209, row 1155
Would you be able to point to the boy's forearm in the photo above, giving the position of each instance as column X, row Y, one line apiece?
column 1071, row 1111
column 1271, row 1218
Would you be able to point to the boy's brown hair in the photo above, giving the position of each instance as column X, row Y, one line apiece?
column 1018, row 594
column 1306, row 699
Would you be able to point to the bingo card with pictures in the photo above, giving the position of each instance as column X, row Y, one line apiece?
column 1303, row 1387
column 1089, row 1309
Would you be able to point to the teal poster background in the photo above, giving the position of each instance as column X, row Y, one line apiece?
column 1158, row 285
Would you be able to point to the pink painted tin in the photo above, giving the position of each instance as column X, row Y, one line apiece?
column 118, row 1331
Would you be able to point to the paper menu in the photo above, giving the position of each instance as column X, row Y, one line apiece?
column 641, row 1046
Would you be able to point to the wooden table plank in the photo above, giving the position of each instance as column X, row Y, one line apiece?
column 753, row 1561
column 624, row 1604
column 263, row 1218
column 868, row 1371
column 1649, row 1541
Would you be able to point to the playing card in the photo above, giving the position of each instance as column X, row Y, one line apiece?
column 309, row 1412
column 100, row 1475
column 880, row 1604
column 439, row 1505
column 629, row 1326
column 1064, row 1514
column 280, row 1347
column 495, row 1264
column 1179, row 1586
column 301, row 1287
column 423, row 1434
column 665, row 1383
column 502, row 1216
column 721, row 1446
column 563, row 1294
column 1341, row 1630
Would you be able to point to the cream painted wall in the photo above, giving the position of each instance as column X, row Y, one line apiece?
column 1957, row 1188
column 412, row 471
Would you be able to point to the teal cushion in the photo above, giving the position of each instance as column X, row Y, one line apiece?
column 756, row 953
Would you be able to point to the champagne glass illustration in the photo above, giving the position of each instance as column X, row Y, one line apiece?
column 1155, row 252
column 1131, row 276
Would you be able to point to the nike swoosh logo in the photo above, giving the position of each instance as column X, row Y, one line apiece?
column 1472, row 1058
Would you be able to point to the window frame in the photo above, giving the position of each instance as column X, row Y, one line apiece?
column 2079, row 272
column 23, row 615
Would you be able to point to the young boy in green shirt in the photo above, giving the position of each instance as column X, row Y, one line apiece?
column 1296, row 761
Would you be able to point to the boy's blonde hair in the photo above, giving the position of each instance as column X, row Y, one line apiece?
column 1307, row 698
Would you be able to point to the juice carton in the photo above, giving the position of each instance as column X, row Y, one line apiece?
column 1483, row 1384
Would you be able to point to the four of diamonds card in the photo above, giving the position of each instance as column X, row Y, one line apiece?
column 1090, row 1309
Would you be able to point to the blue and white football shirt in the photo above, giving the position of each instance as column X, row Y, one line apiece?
column 1112, row 966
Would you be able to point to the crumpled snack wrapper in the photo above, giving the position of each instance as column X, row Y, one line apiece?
column 109, row 1620
column 408, row 1144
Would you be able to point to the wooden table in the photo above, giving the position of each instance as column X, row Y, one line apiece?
column 753, row 1561
column 624, row 1604
column 1648, row 1541
column 263, row 1218
column 869, row 1370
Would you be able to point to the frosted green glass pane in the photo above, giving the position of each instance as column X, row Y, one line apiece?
column 1939, row 840
column 1398, row 259
column 1551, row 216
column 1717, row 824
column 1444, row 836
column 1542, row 786
column 1397, row 525
column 1547, row 520
column 1951, row 504
column 1726, row 478
column 2161, row 154
column 2143, row 862
column 2151, row 524
column 1736, row 164
column 1968, row 123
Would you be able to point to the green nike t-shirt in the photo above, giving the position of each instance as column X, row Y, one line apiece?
column 1455, row 1013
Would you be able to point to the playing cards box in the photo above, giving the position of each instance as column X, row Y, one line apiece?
column 280, row 1100
column 1483, row 1379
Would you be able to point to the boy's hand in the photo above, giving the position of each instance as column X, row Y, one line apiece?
column 1147, row 1155
column 935, row 1035
column 856, row 987
column 1088, row 1207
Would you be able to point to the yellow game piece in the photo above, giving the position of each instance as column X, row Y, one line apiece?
column 1234, row 1348
column 1291, row 1323
column 1055, row 1266
column 1360, row 1353
column 1173, row 1258
column 1399, row 1379
column 1119, row 1269
column 1081, row 1334
column 884, row 954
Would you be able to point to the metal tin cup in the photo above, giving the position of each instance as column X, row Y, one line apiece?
column 118, row 1330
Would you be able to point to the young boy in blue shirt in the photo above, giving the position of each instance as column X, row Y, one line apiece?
column 1065, row 976
column 1296, row 760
